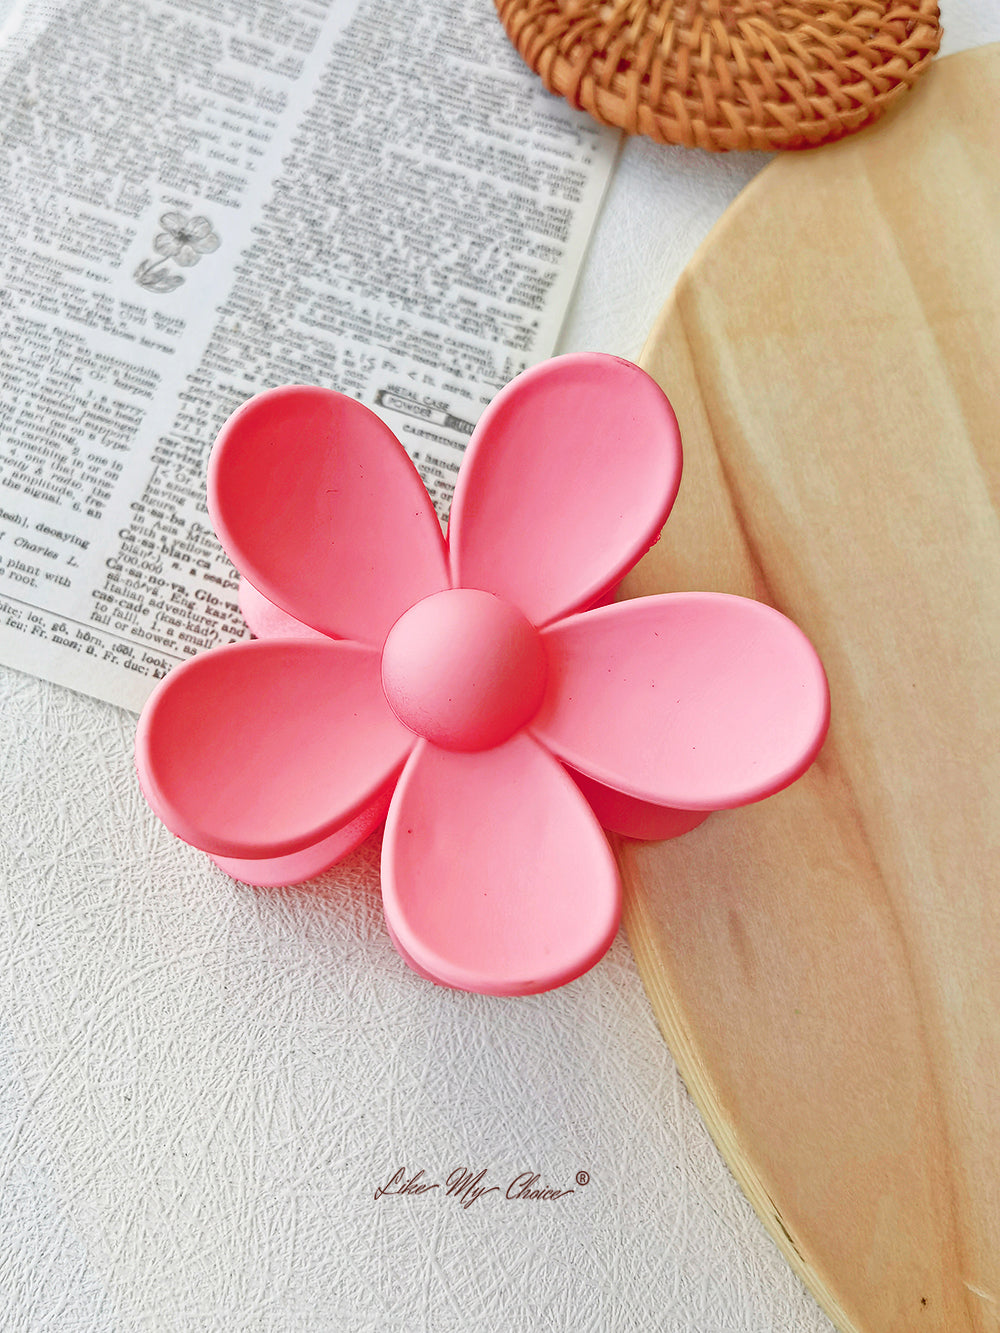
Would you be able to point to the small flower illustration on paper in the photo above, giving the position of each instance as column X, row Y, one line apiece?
column 183, row 240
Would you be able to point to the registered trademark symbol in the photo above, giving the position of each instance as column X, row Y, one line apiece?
column 582, row 1178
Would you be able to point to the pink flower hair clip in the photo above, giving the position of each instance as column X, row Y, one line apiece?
column 477, row 691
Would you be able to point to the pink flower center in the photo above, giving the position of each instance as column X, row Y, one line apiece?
column 464, row 669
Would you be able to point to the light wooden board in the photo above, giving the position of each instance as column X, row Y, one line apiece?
column 826, row 965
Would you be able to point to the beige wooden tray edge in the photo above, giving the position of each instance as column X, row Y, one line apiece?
column 639, row 923
column 639, row 930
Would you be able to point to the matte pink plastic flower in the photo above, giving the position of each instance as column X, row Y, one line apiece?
column 462, row 685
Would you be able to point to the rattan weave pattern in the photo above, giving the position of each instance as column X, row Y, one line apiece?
column 724, row 74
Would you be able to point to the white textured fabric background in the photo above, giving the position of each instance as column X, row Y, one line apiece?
column 202, row 1085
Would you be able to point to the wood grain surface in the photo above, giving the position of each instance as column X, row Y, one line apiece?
column 826, row 965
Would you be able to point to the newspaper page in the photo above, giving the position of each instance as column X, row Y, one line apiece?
column 204, row 198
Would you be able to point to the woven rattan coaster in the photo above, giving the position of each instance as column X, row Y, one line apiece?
column 726, row 74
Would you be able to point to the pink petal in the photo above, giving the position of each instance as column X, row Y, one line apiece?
column 699, row 701
column 496, row 876
column 260, row 749
column 295, row 868
column 268, row 621
column 567, row 481
column 317, row 503
column 632, row 818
